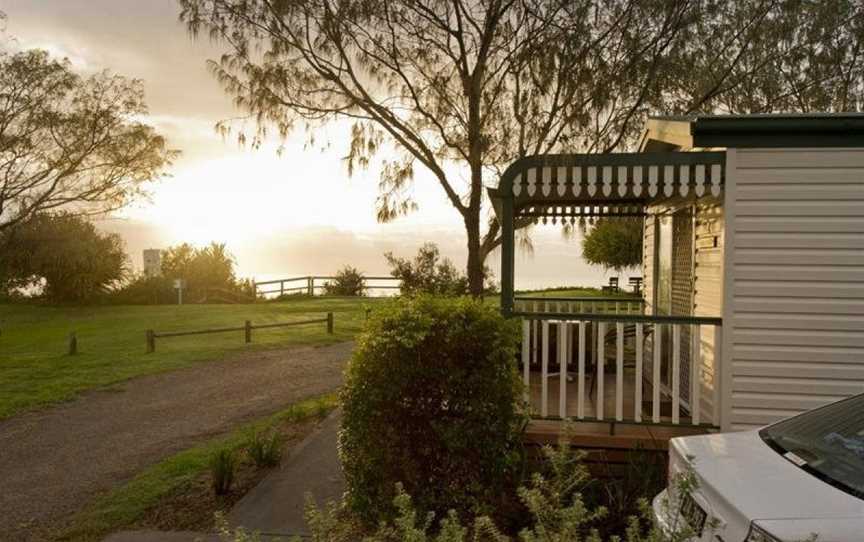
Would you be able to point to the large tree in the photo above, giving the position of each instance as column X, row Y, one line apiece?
column 71, row 142
column 464, row 87
column 63, row 253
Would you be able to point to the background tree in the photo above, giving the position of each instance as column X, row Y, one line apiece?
column 349, row 281
column 71, row 142
column 66, row 254
column 462, row 88
column 427, row 273
column 614, row 243
column 204, row 269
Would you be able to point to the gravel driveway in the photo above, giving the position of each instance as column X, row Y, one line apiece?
column 52, row 462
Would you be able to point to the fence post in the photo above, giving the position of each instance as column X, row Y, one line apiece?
column 73, row 344
column 281, row 288
column 310, row 286
column 151, row 341
column 248, row 330
column 330, row 323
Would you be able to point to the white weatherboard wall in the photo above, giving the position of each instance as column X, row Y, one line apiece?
column 793, row 313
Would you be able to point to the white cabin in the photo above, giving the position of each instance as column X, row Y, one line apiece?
column 752, row 308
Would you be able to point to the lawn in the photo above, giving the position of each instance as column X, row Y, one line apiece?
column 571, row 291
column 35, row 369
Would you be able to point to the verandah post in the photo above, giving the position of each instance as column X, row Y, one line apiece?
column 508, row 259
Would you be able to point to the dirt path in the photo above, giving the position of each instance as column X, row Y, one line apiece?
column 54, row 461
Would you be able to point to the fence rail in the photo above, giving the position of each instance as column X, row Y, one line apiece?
column 579, row 305
column 623, row 368
column 312, row 284
column 247, row 327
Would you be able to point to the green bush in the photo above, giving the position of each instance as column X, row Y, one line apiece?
column 348, row 281
column 223, row 464
column 265, row 451
column 556, row 512
column 432, row 401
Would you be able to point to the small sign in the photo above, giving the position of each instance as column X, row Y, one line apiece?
column 795, row 458
column 179, row 284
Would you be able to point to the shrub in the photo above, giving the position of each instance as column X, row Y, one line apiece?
column 223, row 464
column 427, row 273
column 431, row 400
column 348, row 281
column 556, row 508
column 555, row 505
column 265, row 451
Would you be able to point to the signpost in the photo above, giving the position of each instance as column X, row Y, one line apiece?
column 179, row 285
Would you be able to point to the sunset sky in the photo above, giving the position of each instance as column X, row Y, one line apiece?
column 297, row 213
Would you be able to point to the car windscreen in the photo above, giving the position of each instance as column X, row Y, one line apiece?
column 828, row 442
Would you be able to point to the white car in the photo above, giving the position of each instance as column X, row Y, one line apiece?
column 787, row 482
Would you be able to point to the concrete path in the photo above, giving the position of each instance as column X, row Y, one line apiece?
column 276, row 506
column 54, row 461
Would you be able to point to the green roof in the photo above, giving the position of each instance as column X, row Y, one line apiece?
column 772, row 130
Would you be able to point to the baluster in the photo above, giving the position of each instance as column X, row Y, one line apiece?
column 655, row 382
column 580, row 406
column 601, row 373
column 536, row 342
column 562, row 362
column 676, row 372
column 717, row 359
column 638, row 409
column 544, row 394
column 619, row 368
column 695, row 373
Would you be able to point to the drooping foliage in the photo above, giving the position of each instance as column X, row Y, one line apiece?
column 614, row 243
column 431, row 400
column 461, row 88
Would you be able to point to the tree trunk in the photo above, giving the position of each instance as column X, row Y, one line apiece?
column 475, row 256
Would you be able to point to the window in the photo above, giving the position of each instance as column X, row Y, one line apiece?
column 827, row 442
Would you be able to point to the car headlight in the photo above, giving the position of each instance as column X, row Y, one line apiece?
column 758, row 534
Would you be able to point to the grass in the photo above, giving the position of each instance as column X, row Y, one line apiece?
column 569, row 291
column 35, row 369
column 126, row 504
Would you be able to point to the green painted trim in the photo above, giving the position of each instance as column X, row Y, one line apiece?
column 508, row 254
column 614, row 318
column 505, row 186
column 622, row 299
column 626, row 421
column 773, row 131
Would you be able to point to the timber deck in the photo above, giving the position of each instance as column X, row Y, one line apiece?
column 607, row 434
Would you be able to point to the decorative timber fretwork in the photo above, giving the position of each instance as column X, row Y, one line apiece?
column 609, row 184
column 571, row 187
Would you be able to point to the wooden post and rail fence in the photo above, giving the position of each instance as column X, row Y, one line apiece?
column 246, row 328
column 309, row 285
